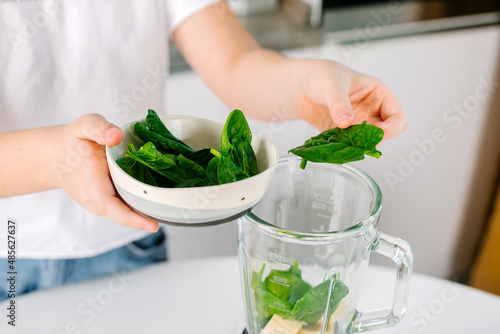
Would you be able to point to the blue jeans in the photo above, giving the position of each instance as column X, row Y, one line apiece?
column 42, row 274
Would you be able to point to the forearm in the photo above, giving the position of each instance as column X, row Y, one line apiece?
column 262, row 83
column 227, row 57
column 28, row 158
column 71, row 157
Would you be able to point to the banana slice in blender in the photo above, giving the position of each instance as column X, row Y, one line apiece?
column 282, row 326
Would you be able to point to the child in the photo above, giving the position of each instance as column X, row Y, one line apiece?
column 70, row 63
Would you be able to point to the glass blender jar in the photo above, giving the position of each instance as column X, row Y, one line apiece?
column 304, row 248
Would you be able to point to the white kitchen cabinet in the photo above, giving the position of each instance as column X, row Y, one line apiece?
column 436, row 178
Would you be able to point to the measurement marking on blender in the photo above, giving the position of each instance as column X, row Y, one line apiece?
column 280, row 280
column 318, row 205
column 12, row 273
column 278, row 305
column 324, row 200
column 279, row 258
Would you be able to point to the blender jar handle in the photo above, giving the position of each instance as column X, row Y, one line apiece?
column 400, row 252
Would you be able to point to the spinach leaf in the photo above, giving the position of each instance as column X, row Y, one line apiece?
column 312, row 305
column 267, row 303
column 191, row 168
column 131, row 167
column 212, row 171
column 271, row 298
column 339, row 146
column 155, row 179
column 152, row 167
column 142, row 173
column 201, row 157
column 287, row 284
column 166, row 161
column 227, row 171
column 236, row 126
column 154, row 122
column 163, row 164
column 165, row 144
column 236, row 142
column 245, row 156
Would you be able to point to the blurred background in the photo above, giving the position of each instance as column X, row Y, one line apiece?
column 440, row 177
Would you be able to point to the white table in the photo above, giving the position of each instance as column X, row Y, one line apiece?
column 204, row 297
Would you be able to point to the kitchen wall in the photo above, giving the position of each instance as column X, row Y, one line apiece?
column 437, row 177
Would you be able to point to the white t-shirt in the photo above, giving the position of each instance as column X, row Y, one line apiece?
column 60, row 59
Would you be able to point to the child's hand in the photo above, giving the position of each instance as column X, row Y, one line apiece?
column 82, row 171
column 330, row 95
column 267, row 85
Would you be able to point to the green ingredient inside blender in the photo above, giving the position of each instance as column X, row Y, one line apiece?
column 340, row 146
column 283, row 292
column 267, row 303
column 166, row 161
column 287, row 284
column 312, row 305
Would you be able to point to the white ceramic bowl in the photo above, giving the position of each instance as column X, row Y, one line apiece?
column 198, row 205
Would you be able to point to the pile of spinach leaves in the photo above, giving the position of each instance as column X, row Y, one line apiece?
column 166, row 161
column 283, row 292
column 339, row 146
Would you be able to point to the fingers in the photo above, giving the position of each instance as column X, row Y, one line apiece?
column 393, row 116
column 393, row 125
column 104, row 201
column 342, row 113
column 340, row 107
column 96, row 128
column 95, row 190
column 119, row 212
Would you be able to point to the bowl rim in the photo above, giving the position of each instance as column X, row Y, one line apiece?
column 111, row 160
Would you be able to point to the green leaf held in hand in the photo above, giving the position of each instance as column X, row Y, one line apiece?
column 339, row 146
